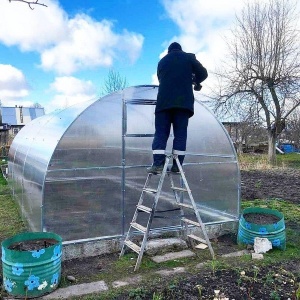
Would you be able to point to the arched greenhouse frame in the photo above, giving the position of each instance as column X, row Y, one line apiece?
column 79, row 172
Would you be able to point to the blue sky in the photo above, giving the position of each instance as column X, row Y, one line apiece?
column 61, row 54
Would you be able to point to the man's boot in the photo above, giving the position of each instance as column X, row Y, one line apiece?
column 175, row 168
column 158, row 164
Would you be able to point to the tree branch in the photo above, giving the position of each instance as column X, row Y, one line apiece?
column 292, row 110
column 36, row 2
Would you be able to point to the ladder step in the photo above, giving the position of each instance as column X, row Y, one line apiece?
column 201, row 246
column 133, row 246
column 197, row 238
column 190, row 222
column 185, row 205
column 144, row 208
column 184, row 187
column 138, row 227
column 179, row 189
column 152, row 191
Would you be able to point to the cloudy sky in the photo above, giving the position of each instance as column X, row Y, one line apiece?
column 61, row 54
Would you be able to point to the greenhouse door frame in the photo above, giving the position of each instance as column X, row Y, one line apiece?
column 129, row 135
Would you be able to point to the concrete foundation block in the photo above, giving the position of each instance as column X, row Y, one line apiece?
column 156, row 246
column 172, row 256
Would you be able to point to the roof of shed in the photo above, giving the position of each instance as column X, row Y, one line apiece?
column 19, row 115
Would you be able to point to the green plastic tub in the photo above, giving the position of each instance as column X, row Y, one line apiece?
column 28, row 274
column 275, row 232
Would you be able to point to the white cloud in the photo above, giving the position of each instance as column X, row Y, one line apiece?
column 203, row 26
column 71, row 86
column 65, row 44
column 154, row 79
column 70, row 90
column 90, row 44
column 13, row 85
column 32, row 30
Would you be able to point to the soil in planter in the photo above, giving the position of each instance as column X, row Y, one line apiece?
column 32, row 245
column 261, row 218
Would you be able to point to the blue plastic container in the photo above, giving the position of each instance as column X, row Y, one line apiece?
column 275, row 232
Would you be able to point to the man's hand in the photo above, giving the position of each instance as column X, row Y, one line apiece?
column 197, row 87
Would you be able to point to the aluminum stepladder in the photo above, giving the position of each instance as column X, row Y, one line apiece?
column 151, row 211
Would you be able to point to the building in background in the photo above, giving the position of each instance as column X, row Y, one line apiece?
column 12, row 120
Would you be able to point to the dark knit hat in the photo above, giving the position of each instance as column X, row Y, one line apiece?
column 174, row 46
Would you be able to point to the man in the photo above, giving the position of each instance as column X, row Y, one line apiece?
column 176, row 72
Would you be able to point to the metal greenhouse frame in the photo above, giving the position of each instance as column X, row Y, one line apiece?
column 79, row 172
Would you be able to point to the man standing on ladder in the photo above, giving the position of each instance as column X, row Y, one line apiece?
column 176, row 72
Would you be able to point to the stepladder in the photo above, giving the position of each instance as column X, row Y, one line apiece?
column 146, row 211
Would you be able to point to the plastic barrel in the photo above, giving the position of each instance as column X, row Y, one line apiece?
column 275, row 233
column 28, row 274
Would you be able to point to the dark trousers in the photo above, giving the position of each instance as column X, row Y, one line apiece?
column 179, row 119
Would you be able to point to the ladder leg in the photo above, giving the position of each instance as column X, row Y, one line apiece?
column 145, row 239
column 151, row 211
column 202, row 226
column 140, row 256
column 135, row 213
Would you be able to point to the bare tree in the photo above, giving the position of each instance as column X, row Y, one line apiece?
column 262, row 71
column 114, row 82
column 37, row 105
column 30, row 3
column 244, row 127
column 292, row 132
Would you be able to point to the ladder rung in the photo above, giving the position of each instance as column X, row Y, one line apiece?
column 138, row 227
column 179, row 189
column 185, row 205
column 133, row 246
column 197, row 238
column 144, row 208
column 201, row 246
column 190, row 222
column 153, row 191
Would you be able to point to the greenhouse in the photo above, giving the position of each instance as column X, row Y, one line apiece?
column 79, row 172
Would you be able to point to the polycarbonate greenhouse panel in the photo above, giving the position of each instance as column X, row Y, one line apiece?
column 79, row 172
column 89, row 206
column 28, row 161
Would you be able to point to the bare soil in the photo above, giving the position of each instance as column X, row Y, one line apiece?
column 279, row 281
column 275, row 183
column 261, row 219
column 257, row 283
column 32, row 245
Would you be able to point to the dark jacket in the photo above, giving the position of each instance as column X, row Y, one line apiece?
column 174, row 72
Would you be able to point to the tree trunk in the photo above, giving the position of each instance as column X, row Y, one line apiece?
column 271, row 147
column 239, row 148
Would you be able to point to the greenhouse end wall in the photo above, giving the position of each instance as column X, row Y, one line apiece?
column 79, row 172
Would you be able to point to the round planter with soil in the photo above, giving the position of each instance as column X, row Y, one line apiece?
column 263, row 223
column 31, row 264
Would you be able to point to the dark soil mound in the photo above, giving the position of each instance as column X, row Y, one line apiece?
column 32, row 245
column 257, row 218
column 276, row 183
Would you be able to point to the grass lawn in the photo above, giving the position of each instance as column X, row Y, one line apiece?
column 10, row 219
column 260, row 161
